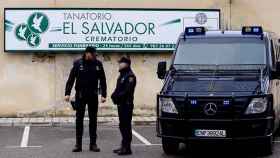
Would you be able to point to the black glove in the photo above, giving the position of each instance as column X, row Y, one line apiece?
column 114, row 99
column 74, row 104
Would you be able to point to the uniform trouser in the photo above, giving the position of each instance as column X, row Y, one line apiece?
column 92, row 103
column 125, row 117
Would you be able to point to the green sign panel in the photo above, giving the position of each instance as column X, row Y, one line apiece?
column 53, row 30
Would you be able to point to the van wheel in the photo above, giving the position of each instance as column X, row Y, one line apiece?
column 266, row 148
column 170, row 146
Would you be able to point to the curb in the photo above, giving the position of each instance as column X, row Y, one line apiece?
column 70, row 121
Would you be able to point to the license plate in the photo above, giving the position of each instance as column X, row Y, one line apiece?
column 210, row 133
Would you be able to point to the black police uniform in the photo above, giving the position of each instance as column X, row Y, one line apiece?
column 123, row 96
column 87, row 75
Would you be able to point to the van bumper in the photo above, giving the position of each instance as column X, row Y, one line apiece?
column 253, row 130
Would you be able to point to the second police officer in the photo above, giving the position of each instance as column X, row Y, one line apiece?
column 123, row 97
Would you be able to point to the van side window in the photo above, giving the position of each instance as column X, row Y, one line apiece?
column 277, row 50
column 272, row 52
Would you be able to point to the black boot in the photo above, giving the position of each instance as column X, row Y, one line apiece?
column 77, row 148
column 125, row 151
column 94, row 148
column 116, row 151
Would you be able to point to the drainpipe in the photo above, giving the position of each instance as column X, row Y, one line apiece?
column 230, row 12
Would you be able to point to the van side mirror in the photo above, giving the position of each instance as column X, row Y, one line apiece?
column 276, row 73
column 278, row 67
column 161, row 69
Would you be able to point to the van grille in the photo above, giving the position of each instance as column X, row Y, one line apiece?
column 226, row 108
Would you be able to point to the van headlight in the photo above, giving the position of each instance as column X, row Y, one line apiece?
column 257, row 106
column 167, row 105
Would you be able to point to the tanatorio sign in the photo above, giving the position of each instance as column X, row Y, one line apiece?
column 38, row 30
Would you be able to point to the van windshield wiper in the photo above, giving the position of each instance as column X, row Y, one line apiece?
column 212, row 67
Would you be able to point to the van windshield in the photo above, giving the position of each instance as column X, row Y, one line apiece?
column 221, row 51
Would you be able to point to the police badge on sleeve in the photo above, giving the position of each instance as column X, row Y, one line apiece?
column 97, row 68
column 130, row 79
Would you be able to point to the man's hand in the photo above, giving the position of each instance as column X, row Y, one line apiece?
column 103, row 100
column 67, row 98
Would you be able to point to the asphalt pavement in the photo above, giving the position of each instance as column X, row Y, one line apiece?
column 57, row 142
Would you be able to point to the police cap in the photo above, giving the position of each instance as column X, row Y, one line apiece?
column 125, row 60
column 91, row 50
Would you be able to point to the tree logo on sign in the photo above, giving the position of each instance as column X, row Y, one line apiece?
column 33, row 40
column 37, row 24
column 22, row 32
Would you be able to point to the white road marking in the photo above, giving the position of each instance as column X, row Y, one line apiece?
column 25, row 137
column 14, row 147
column 276, row 141
column 141, row 138
column 24, row 140
column 146, row 145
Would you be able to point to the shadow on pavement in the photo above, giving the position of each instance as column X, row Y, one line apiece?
column 219, row 151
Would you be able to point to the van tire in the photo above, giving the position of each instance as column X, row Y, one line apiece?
column 266, row 148
column 170, row 147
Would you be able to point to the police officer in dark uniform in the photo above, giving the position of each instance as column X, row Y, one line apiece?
column 87, row 72
column 123, row 96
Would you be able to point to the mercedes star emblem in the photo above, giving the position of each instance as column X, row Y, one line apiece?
column 210, row 109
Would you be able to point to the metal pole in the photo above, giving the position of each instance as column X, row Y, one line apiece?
column 230, row 5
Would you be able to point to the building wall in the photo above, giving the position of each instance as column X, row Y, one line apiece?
column 34, row 84
column 256, row 12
